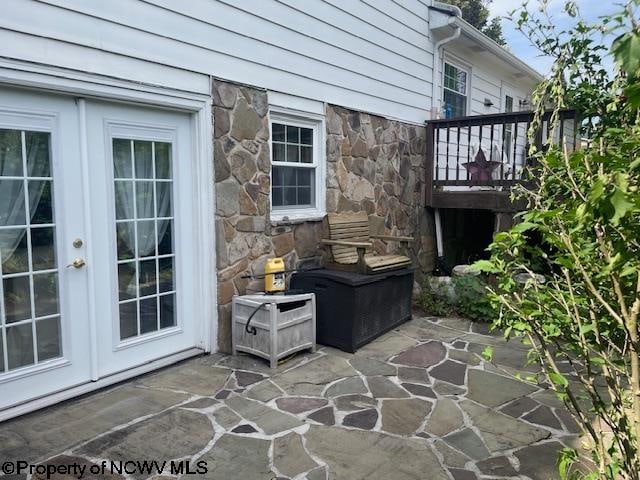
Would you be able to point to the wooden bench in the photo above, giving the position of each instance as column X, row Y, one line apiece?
column 351, row 246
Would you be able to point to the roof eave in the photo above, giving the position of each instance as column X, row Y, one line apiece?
column 479, row 37
column 497, row 50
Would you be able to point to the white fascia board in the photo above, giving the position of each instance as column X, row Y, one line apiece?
column 473, row 33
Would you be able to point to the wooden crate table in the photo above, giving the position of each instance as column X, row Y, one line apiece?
column 284, row 324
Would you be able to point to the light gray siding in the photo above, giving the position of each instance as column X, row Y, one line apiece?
column 371, row 55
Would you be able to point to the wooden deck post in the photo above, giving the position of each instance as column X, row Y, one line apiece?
column 429, row 165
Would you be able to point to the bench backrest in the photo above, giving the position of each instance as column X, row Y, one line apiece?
column 347, row 226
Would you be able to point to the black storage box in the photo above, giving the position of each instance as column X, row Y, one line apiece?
column 353, row 309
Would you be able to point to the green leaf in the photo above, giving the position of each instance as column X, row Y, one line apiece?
column 597, row 190
column 566, row 458
column 484, row 266
column 586, row 328
column 487, row 353
column 558, row 380
column 620, row 206
column 626, row 49
column 523, row 227
column 632, row 93
column 628, row 270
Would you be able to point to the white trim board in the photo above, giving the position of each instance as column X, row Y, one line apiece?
column 33, row 75
column 24, row 74
column 72, row 83
column 316, row 122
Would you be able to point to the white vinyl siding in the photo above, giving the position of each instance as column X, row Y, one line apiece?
column 486, row 80
column 373, row 55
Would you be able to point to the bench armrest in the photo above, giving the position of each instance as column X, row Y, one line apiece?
column 392, row 238
column 346, row 243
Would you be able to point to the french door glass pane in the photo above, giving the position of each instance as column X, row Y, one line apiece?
column 167, row 314
column 163, row 160
column 143, row 159
column 122, row 158
column 165, row 241
column 45, row 294
column 30, row 324
column 128, row 320
column 10, row 153
column 144, row 233
column 37, row 153
column 17, row 299
column 48, row 334
column 125, row 239
column 148, row 315
column 40, row 202
column 13, row 250
column 13, row 211
column 127, row 281
column 42, row 251
column 124, row 200
column 20, row 346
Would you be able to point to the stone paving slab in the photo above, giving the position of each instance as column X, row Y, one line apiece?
column 359, row 455
column 51, row 431
column 169, row 435
column 418, row 402
column 193, row 378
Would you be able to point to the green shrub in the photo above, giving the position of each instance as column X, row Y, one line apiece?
column 466, row 297
column 432, row 302
column 472, row 299
column 586, row 211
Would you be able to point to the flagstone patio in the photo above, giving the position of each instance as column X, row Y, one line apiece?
column 418, row 403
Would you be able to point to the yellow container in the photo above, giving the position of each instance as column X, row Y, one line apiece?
column 274, row 275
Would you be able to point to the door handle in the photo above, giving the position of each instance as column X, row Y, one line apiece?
column 77, row 263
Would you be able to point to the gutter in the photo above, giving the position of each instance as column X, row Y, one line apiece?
column 454, row 14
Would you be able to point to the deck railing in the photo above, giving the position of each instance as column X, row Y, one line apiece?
column 487, row 152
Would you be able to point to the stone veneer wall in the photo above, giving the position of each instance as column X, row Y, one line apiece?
column 373, row 164
column 377, row 165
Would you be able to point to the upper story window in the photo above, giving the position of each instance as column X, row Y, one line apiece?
column 508, row 103
column 508, row 128
column 454, row 95
column 296, row 167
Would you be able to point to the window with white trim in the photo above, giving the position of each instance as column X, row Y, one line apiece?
column 297, row 188
column 454, row 94
column 508, row 128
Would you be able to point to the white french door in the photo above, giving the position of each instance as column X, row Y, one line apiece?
column 44, row 333
column 96, row 240
column 142, row 208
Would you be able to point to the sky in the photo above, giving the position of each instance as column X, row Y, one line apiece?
column 590, row 10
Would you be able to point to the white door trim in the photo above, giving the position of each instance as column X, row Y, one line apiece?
column 91, row 291
column 42, row 77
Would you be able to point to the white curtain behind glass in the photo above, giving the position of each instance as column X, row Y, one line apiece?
column 12, row 212
column 12, row 201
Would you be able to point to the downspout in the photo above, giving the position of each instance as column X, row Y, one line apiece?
column 455, row 12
